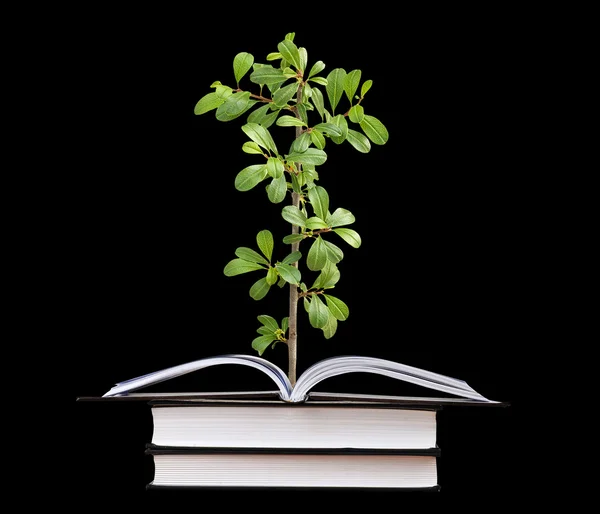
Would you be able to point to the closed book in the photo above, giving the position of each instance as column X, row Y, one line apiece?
column 283, row 425
column 194, row 467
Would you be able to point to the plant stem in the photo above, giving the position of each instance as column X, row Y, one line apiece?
column 292, row 341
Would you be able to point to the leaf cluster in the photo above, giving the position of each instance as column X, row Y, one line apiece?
column 287, row 93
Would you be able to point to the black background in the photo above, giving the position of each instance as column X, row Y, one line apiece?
column 441, row 281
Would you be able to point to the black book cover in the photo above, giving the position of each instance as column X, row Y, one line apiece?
column 333, row 399
column 153, row 449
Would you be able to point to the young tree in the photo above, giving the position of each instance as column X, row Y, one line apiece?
column 286, row 96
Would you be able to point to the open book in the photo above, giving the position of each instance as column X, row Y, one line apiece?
column 310, row 377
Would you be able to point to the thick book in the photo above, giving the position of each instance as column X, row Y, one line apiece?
column 458, row 390
column 381, row 426
column 293, row 468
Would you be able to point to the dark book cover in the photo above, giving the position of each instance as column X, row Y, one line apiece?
column 153, row 449
column 316, row 398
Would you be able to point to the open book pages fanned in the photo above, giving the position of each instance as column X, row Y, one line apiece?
column 310, row 377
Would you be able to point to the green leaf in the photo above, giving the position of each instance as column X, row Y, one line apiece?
column 239, row 266
column 306, row 304
column 273, row 56
column 330, row 129
column 309, row 156
column 269, row 119
column 319, row 80
column 350, row 236
column 330, row 327
column 351, row 83
column 268, row 321
column 365, row 87
column 340, row 217
column 264, row 240
column 302, row 111
column 292, row 257
column 335, row 86
column 374, row 129
column 248, row 254
column 315, row 223
column 317, row 67
column 242, row 63
column 259, row 289
column 290, row 274
column 306, row 94
column 359, row 141
column 267, row 75
column 272, row 276
column 317, row 139
column 283, row 95
column 234, row 106
column 277, row 189
column 298, row 181
column 318, row 101
column 251, row 176
column 356, row 113
column 337, row 307
column 263, row 116
column 251, row 147
column 293, row 215
column 285, row 324
column 208, row 102
column 328, row 278
column 303, row 57
column 290, row 121
column 342, row 124
column 274, row 167
column 318, row 313
column 290, row 52
column 260, row 135
column 301, row 143
column 264, row 330
column 317, row 255
column 222, row 91
column 334, row 252
column 261, row 343
column 293, row 238
column 319, row 199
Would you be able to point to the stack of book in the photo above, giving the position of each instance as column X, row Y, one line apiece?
column 257, row 444
column 293, row 437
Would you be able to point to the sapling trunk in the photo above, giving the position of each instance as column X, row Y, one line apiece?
column 292, row 340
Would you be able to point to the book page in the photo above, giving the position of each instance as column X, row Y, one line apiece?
column 352, row 364
column 313, row 375
column 275, row 372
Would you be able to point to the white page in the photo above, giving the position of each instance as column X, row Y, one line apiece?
column 351, row 364
column 320, row 371
column 276, row 373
